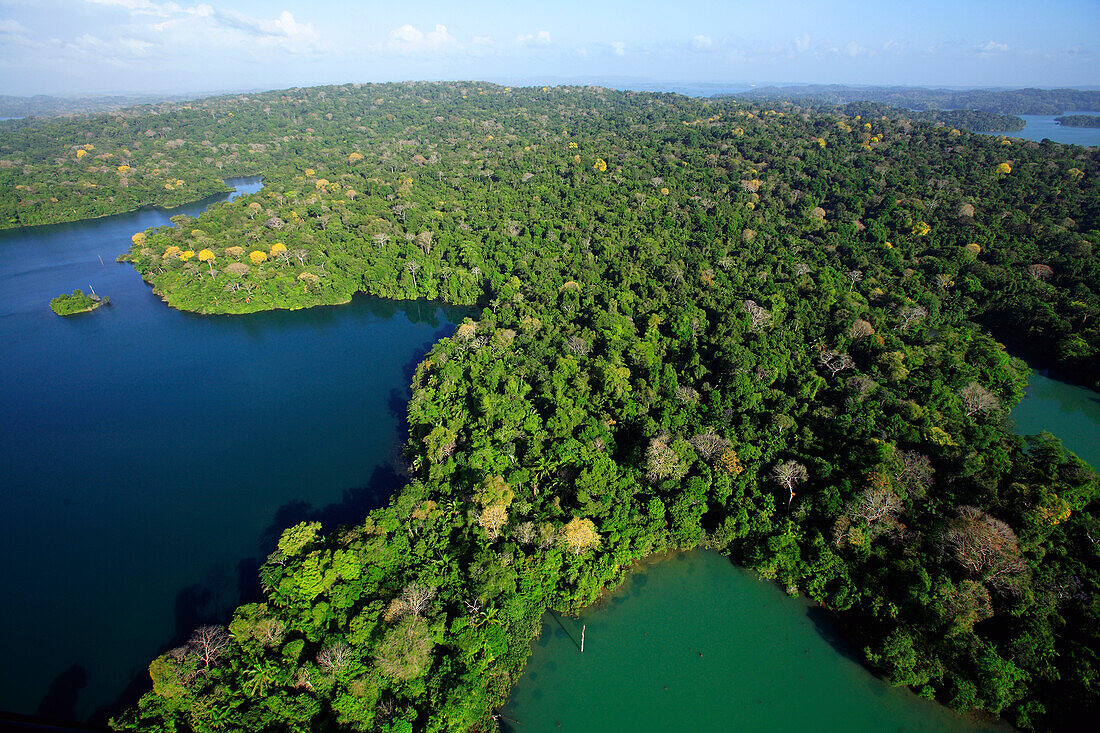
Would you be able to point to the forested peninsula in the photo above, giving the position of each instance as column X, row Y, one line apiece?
column 707, row 323
column 1078, row 120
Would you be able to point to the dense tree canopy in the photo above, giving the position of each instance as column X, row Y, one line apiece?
column 701, row 323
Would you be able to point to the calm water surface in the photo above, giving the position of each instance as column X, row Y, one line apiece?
column 149, row 456
column 696, row 643
column 1044, row 126
column 1070, row 412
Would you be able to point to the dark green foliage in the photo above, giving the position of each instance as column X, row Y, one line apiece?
column 754, row 331
column 77, row 302
column 1005, row 102
column 1078, row 120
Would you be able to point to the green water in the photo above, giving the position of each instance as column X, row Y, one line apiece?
column 1070, row 412
column 698, row 644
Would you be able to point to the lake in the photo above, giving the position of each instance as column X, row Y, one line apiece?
column 151, row 457
column 662, row 653
column 1044, row 126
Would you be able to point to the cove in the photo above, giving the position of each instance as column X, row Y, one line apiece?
column 697, row 643
column 150, row 457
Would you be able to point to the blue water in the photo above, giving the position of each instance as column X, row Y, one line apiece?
column 149, row 457
column 1043, row 126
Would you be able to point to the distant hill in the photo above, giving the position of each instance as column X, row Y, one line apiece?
column 42, row 105
column 998, row 101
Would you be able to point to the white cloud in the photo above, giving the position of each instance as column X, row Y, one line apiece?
column 701, row 42
column 409, row 39
column 853, row 49
column 12, row 28
column 993, row 47
column 542, row 38
column 139, row 7
column 802, row 43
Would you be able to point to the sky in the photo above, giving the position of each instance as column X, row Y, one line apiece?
column 147, row 46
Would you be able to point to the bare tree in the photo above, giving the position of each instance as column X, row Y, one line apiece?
column 1040, row 272
column 877, row 506
column 759, row 317
column 709, row 445
column 855, row 276
column 976, row 398
column 662, row 461
column 910, row 315
column 861, row 329
column 985, row 547
column 334, row 657
column 210, row 643
column 789, row 475
column 424, row 240
column 380, row 239
column 301, row 255
column 578, row 345
column 411, row 267
column 835, row 361
column 915, row 472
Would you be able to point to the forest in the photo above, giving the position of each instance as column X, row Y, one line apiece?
column 1078, row 120
column 773, row 332
column 998, row 101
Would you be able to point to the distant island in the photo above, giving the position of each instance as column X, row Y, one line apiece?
column 964, row 119
column 77, row 302
column 1078, row 120
column 999, row 101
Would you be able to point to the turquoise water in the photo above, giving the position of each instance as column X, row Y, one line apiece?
column 1070, row 412
column 150, row 457
column 697, row 644
column 1044, row 126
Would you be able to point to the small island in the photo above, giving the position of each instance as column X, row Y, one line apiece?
column 78, row 302
column 1078, row 120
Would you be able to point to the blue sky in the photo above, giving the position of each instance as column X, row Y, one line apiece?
column 96, row 46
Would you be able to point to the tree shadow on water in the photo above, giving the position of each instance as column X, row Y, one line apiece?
column 59, row 702
column 828, row 628
column 223, row 588
column 350, row 510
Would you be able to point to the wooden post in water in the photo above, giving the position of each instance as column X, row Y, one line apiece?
column 583, row 627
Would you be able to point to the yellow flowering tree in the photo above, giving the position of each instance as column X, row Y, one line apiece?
column 600, row 165
column 1004, row 169
column 207, row 256
column 257, row 256
column 138, row 239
